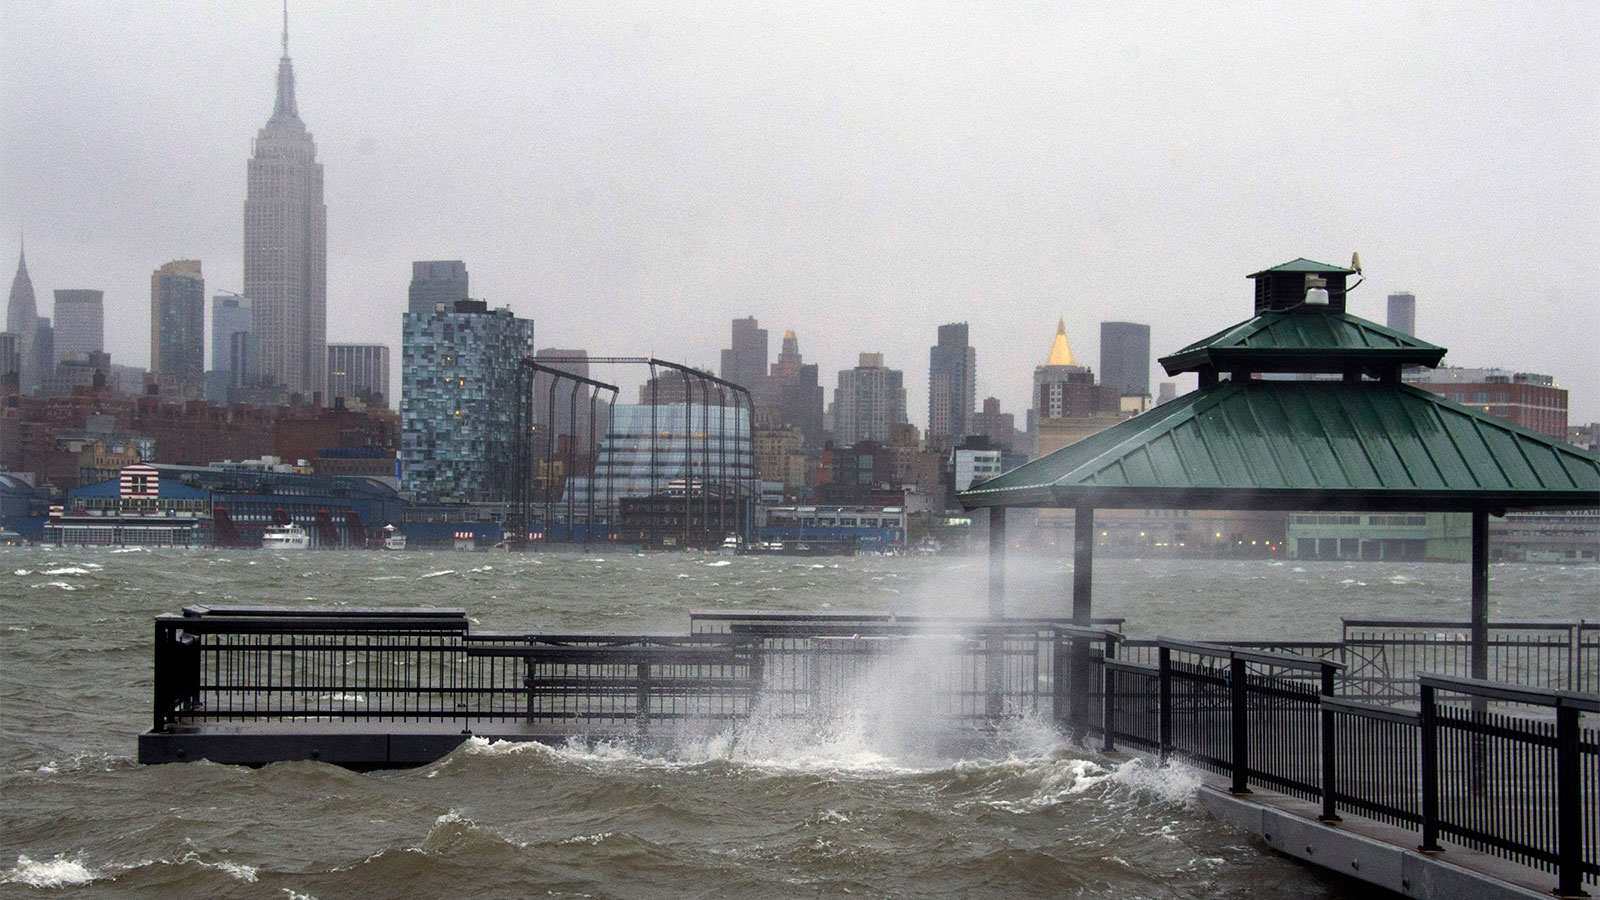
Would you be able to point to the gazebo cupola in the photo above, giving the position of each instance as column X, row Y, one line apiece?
column 1301, row 327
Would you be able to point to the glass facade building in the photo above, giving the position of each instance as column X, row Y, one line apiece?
column 459, row 402
column 651, row 450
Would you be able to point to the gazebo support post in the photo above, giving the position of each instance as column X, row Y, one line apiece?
column 1480, row 593
column 1478, row 651
column 994, row 641
column 1083, row 678
column 997, row 562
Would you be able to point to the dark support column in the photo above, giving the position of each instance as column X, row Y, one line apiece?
column 997, row 562
column 993, row 642
column 1082, row 564
column 1083, row 680
column 1480, row 593
column 1569, row 804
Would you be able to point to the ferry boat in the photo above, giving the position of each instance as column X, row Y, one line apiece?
column 393, row 539
column 731, row 545
column 285, row 537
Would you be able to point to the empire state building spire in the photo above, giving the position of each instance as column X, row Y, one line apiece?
column 286, row 246
column 284, row 110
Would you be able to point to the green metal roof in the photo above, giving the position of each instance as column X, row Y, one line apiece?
column 1303, row 340
column 1255, row 444
column 1306, row 265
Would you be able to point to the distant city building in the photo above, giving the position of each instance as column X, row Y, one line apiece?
column 1168, row 392
column 44, row 347
column 672, row 386
column 286, row 246
column 1403, row 313
column 1125, row 358
column 1522, row 398
column 80, row 324
column 459, row 401
column 653, row 450
column 1062, row 389
column 178, row 322
column 792, row 394
column 434, row 282
column 745, row 362
column 999, row 427
column 10, row 358
column 233, row 349
column 359, row 372
column 22, row 320
column 571, row 419
column 952, row 385
column 868, row 402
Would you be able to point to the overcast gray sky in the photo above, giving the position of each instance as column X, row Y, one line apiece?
column 634, row 176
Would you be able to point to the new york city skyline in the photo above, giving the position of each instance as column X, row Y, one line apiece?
column 634, row 178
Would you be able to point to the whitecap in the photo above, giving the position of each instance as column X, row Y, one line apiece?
column 438, row 573
column 23, row 572
column 58, row 872
column 66, row 570
column 590, row 839
column 130, row 550
column 60, row 584
column 720, row 562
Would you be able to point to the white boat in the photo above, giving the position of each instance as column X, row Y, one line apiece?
column 285, row 537
column 730, row 545
column 393, row 539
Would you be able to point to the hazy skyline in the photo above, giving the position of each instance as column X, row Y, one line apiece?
column 633, row 177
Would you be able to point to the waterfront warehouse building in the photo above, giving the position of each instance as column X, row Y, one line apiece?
column 458, row 407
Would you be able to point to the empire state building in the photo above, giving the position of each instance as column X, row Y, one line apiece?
column 286, row 246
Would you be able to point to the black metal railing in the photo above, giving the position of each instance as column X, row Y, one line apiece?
column 1504, row 769
column 1507, row 769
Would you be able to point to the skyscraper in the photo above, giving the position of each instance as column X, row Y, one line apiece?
column 436, row 281
column 952, row 385
column 1125, row 358
column 792, row 393
column 869, row 400
column 359, row 372
column 178, row 322
column 22, row 320
column 80, row 324
column 286, row 245
column 745, row 362
column 233, row 351
column 1403, row 312
column 458, row 405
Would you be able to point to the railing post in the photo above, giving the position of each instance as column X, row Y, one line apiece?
column 1164, row 661
column 1430, row 773
column 1058, row 679
column 1330, row 752
column 1108, row 702
column 1239, row 700
column 641, row 702
column 1569, row 805
column 162, row 704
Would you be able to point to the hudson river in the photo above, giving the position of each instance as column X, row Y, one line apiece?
column 768, row 812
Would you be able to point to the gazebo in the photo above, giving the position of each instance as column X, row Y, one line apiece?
column 1300, row 407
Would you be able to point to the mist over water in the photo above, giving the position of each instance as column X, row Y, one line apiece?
column 863, row 802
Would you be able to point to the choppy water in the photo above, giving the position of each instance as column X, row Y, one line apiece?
column 769, row 812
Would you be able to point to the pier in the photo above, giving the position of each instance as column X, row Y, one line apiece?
column 1329, row 750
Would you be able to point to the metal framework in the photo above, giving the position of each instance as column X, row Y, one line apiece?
column 522, row 519
column 746, row 491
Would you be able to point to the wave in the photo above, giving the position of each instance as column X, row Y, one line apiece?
column 49, row 873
